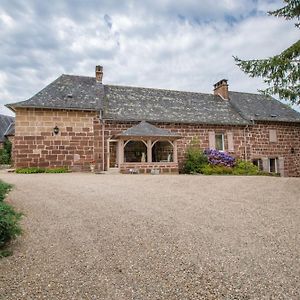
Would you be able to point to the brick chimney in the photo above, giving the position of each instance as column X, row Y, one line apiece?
column 99, row 73
column 221, row 89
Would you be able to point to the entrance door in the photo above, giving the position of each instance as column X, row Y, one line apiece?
column 112, row 161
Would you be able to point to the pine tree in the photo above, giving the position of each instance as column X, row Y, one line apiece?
column 281, row 72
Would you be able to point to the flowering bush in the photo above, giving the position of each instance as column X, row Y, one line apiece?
column 217, row 158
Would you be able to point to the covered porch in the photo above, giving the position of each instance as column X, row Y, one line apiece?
column 144, row 148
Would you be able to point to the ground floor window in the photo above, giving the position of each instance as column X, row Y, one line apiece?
column 162, row 151
column 258, row 162
column 219, row 141
column 135, row 151
column 273, row 165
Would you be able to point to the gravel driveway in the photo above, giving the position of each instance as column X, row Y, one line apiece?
column 153, row 237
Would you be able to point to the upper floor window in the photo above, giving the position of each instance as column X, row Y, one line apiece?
column 219, row 141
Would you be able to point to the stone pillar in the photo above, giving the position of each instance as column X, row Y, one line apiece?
column 120, row 152
column 175, row 157
column 149, row 151
column 281, row 166
column 265, row 163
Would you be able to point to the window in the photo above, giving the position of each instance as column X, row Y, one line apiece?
column 273, row 165
column 162, row 151
column 219, row 138
column 135, row 151
column 258, row 162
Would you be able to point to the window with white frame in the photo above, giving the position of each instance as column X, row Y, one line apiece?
column 219, row 141
column 273, row 165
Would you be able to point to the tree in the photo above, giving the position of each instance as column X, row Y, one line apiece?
column 281, row 72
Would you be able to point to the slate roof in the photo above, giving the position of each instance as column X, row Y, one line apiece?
column 10, row 130
column 146, row 129
column 5, row 122
column 67, row 92
column 259, row 107
column 125, row 103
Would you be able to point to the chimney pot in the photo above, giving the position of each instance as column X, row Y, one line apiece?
column 99, row 73
column 221, row 89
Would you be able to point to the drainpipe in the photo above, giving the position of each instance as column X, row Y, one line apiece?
column 245, row 141
column 102, row 121
column 245, row 138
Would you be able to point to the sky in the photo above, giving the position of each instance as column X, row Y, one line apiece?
column 182, row 45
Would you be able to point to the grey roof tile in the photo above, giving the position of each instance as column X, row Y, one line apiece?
column 127, row 103
column 146, row 129
column 5, row 122
column 259, row 107
column 67, row 92
column 157, row 105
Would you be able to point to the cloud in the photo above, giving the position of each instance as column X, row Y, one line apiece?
column 186, row 45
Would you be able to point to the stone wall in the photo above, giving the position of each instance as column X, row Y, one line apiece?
column 82, row 139
column 35, row 143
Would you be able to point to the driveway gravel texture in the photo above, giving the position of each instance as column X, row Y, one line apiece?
column 89, row 236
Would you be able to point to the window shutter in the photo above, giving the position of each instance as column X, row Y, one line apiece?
column 211, row 140
column 272, row 136
column 230, row 141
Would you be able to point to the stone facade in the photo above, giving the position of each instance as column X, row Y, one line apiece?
column 36, row 144
column 82, row 138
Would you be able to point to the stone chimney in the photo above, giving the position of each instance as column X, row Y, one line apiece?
column 99, row 73
column 221, row 89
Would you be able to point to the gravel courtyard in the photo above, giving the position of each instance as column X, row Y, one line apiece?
column 153, row 237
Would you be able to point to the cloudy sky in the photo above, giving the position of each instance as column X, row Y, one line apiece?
column 183, row 45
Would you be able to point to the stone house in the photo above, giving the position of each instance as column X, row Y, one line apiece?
column 76, row 121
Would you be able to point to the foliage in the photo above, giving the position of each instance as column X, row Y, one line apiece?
column 9, row 220
column 31, row 170
column 245, row 168
column 218, row 158
column 4, row 189
column 195, row 160
column 57, row 170
column 5, row 152
column 217, row 170
column 280, row 72
column 35, row 170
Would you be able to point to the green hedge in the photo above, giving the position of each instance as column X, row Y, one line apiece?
column 9, row 220
column 34, row 170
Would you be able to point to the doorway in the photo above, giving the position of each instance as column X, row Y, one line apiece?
column 112, row 155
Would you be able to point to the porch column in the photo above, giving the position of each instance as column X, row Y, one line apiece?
column 120, row 152
column 149, row 151
column 175, row 158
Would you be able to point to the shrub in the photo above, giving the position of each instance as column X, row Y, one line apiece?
column 218, row 158
column 57, row 170
column 217, row 170
column 9, row 220
column 195, row 160
column 32, row 170
column 5, row 153
column 4, row 189
column 35, row 170
column 245, row 168
column 9, row 223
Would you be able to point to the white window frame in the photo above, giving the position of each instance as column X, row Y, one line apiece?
column 223, row 142
column 276, row 164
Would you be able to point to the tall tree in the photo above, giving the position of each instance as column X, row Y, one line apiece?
column 281, row 72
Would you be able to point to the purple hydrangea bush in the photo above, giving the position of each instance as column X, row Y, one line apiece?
column 218, row 158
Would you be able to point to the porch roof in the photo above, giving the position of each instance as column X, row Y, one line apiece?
column 145, row 129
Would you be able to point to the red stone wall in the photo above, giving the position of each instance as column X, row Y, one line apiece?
column 82, row 138
column 288, row 141
column 35, row 143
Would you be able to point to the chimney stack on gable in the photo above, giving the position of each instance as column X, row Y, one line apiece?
column 99, row 73
column 221, row 89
